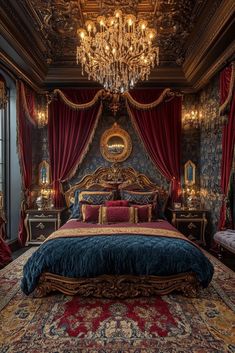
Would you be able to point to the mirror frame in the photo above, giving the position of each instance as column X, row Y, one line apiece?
column 187, row 181
column 115, row 130
column 46, row 165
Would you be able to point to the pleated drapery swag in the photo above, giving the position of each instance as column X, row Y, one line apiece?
column 158, row 123
column 26, row 122
column 227, row 101
column 73, row 118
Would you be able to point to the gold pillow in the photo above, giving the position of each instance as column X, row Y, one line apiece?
column 118, row 214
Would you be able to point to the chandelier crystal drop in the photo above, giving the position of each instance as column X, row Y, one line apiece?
column 118, row 51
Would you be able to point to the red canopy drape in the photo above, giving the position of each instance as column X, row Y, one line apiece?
column 227, row 100
column 160, row 130
column 26, row 114
column 69, row 134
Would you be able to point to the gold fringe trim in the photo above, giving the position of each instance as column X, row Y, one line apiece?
column 230, row 93
column 25, row 105
column 142, row 106
column 79, row 106
column 23, row 188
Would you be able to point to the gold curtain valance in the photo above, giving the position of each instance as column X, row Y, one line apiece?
column 224, row 106
column 79, row 106
column 166, row 93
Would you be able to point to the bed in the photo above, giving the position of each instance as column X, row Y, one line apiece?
column 123, row 251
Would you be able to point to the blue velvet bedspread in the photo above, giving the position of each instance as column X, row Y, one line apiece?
column 123, row 254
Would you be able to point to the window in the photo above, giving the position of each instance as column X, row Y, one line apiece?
column 10, row 179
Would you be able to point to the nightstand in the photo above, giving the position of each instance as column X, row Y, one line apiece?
column 40, row 224
column 192, row 223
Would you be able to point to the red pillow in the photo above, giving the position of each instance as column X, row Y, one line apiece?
column 144, row 212
column 120, row 203
column 90, row 213
column 117, row 214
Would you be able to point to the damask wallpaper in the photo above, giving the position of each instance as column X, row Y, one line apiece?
column 211, row 149
column 202, row 143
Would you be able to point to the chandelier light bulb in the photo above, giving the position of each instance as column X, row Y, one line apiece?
column 118, row 13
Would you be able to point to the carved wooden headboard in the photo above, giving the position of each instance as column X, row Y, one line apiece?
column 112, row 178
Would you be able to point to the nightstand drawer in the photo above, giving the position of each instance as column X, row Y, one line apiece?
column 39, row 230
column 191, row 229
column 189, row 214
column 41, row 223
column 40, row 214
column 191, row 223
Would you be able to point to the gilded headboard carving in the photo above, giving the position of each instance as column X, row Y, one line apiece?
column 111, row 177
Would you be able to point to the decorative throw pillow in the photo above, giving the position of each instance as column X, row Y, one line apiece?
column 139, row 197
column 90, row 213
column 117, row 214
column 75, row 206
column 144, row 213
column 115, row 203
column 95, row 197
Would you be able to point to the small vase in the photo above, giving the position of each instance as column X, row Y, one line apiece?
column 40, row 203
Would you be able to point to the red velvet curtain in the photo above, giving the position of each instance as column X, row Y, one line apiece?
column 69, row 133
column 160, row 130
column 228, row 139
column 26, row 113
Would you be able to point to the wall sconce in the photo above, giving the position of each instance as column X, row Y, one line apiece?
column 193, row 118
column 42, row 110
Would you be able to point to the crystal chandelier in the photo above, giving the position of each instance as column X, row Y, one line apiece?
column 118, row 51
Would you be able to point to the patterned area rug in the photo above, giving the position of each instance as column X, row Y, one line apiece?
column 169, row 324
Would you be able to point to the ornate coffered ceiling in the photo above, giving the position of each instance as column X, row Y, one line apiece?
column 41, row 34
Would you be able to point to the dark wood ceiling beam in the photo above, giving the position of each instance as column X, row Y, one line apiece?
column 208, row 43
column 20, row 43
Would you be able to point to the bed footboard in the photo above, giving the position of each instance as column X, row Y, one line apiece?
column 123, row 286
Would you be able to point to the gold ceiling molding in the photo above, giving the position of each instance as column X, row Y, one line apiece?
column 79, row 106
column 224, row 106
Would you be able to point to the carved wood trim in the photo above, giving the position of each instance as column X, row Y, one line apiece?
column 110, row 177
column 125, row 286
column 201, row 46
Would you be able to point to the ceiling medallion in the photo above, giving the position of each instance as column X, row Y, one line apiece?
column 118, row 52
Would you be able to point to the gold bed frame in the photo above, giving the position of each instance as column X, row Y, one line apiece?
column 116, row 286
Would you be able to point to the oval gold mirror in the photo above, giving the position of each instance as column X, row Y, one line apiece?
column 115, row 144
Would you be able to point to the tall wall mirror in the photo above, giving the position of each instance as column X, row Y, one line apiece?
column 115, row 144
column 189, row 173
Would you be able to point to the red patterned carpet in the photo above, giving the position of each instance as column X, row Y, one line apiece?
column 167, row 324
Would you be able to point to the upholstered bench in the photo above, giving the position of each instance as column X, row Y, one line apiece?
column 226, row 239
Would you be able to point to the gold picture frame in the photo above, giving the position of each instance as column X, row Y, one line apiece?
column 115, row 144
column 44, row 174
column 189, row 173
